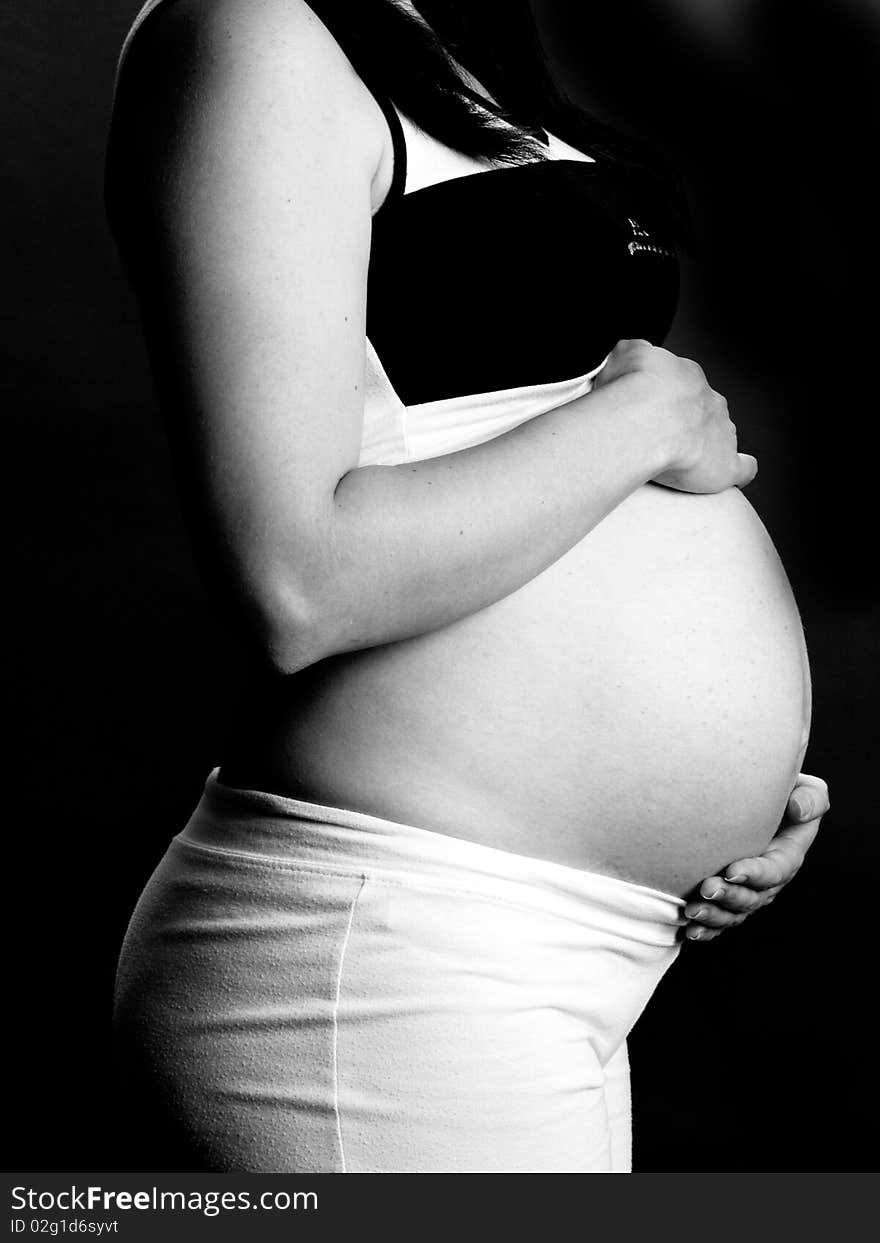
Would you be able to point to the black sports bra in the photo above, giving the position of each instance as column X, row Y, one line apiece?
column 515, row 275
column 495, row 294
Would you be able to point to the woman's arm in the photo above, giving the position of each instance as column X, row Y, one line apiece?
column 255, row 156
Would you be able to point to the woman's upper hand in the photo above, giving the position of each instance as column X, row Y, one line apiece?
column 750, row 884
column 702, row 450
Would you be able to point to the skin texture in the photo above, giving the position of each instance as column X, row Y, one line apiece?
column 257, row 230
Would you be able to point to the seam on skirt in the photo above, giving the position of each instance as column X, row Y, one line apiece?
column 269, row 863
column 347, row 937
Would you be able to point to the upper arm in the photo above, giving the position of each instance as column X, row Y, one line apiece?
column 250, row 149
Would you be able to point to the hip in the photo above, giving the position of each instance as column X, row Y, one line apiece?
column 304, row 988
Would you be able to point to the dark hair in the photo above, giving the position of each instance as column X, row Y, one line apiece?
column 496, row 41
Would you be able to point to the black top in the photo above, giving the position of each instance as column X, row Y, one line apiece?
column 523, row 274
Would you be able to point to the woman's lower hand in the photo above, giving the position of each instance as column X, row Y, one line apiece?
column 750, row 884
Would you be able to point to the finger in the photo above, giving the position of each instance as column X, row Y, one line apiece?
column 698, row 933
column 748, row 468
column 787, row 850
column 809, row 779
column 758, row 873
column 783, row 860
column 712, row 916
column 742, row 899
column 795, row 838
column 780, row 861
column 736, row 898
column 785, row 855
column 775, row 868
column 809, row 798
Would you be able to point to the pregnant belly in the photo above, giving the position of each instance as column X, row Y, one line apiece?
column 640, row 708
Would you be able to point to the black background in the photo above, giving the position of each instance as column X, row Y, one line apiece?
column 758, row 1052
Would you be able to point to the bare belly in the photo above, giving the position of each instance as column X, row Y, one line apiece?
column 641, row 708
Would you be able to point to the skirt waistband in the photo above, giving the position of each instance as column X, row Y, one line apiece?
column 273, row 829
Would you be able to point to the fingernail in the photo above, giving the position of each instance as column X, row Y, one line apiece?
column 697, row 913
column 739, row 879
column 716, row 893
column 801, row 807
column 695, row 934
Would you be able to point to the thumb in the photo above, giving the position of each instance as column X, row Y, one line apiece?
column 809, row 798
column 748, row 468
column 800, row 805
column 807, row 804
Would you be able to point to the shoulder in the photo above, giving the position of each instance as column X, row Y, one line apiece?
column 230, row 29
column 221, row 33
column 194, row 60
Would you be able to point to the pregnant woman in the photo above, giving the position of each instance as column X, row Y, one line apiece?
column 529, row 668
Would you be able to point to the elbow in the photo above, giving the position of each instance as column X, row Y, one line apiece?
column 308, row 603
column 293, row 634
column 299, row 625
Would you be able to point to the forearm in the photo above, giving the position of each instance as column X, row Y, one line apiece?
column 413, row 547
